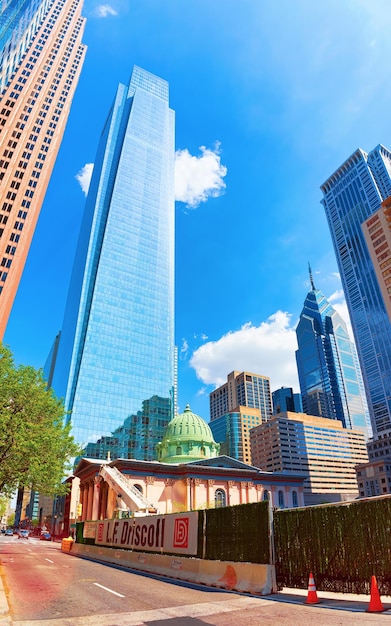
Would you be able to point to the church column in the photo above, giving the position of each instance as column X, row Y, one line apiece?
column 95, row 498
column 84, row 502
column 90, row 498
column 149, row 480
column 230, row 485
column 210, row 502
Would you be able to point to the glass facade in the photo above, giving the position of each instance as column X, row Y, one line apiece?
column 351, row 195
column 285, row 400
column 330, row 379
column 19, row 22
column 115, row 365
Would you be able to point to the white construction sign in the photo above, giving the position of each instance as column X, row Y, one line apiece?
column 176, row 533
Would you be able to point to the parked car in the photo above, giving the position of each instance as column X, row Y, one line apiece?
column 45, row 537
column 23, row 534
column 9, row 532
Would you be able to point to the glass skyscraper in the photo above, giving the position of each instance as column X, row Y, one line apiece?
column 351, row 195
column 19, row 22
column 329, row 375
column 115, row 364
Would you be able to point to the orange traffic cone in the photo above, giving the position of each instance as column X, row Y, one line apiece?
column 312, row 596
column 375, row 604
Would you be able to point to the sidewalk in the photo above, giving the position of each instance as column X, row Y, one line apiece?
column 355, row 603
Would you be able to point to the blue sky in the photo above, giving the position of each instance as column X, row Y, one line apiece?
column 271, row 96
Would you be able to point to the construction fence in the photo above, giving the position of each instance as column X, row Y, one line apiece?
column 342, row 544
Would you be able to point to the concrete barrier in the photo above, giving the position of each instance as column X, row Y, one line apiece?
column 245, row 577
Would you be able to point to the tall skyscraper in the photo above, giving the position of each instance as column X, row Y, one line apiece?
column 350, row 196
column 241, row 403
column 40, row 71
column 115, row 364
column 329, row 374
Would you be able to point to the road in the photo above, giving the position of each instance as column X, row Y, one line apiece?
column 48, row 587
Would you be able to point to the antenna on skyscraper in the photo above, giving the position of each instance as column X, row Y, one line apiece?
column 311, row 278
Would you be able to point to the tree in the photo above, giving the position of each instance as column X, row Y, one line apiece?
column 35, row 445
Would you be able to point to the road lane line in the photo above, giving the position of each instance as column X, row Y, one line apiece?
column 49, row 560
column 110, row 590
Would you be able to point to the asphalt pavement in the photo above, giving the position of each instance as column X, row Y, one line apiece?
column 351, row 603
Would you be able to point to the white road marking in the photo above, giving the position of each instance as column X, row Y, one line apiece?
column 49, row 560
column 110, row 590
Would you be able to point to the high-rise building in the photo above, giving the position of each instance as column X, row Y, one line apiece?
column 39, row 76
column 241, row 389
column 241, row 403
column 329, row 373
column 284, row 399
column 115, row 364
column 377, row 233
column 350, row 196
column 319, row 449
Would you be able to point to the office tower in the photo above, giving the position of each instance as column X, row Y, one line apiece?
column 329, row 374
column 374, row 477
column 377, row 233
column 285, row 400
column 34, row 109
column 243, row 402
column 19, row 21
column 317, row 448
column 115, row 365
column 241, row 389
column 350, row 196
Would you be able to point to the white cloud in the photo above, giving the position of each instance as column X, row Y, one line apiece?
column 267, row 349
column 84, row 177
column 103, row 10
column 184, row 349
column 198, row 178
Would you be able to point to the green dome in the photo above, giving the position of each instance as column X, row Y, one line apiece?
column 187, row 438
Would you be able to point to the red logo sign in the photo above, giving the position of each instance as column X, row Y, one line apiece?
column 100, row 532
column 181, row 532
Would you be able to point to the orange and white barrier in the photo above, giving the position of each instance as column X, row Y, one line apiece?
column 245, row 577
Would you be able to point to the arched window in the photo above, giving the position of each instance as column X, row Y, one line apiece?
column 139, row 488
column 266, row 495
column 220, row 499
column 202, row 451
column 295, row 501
column 179, row 450
column 281, row 503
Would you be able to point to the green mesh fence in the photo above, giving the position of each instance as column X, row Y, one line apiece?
column 236, row 533
column 343, row 546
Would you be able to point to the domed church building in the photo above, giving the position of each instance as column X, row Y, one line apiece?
column 187, row 438
column 189, row 474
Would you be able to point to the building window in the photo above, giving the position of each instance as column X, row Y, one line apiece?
column 295, row 501
column 139, row 488
column 266, row 495
column 281, row 503
column 179, row 450
column 220, row 498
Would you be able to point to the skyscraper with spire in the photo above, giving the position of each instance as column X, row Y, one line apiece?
column 115, row 364
column 40, row 63
column 329, row 374
column 350, row 196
